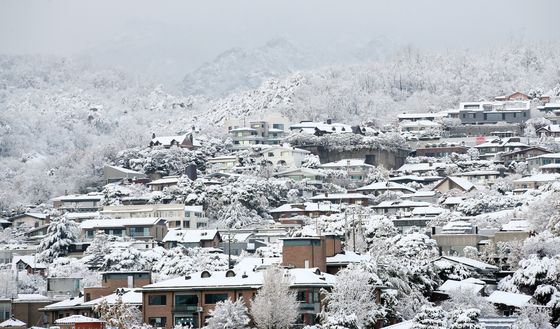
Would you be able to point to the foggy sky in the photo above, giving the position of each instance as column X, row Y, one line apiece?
column 188, row 33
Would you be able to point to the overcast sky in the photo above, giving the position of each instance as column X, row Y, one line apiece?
column 192, row 32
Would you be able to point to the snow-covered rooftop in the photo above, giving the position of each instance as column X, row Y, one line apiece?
column 189, row 236
column 339, row 196
column 245, row 279
column 538, row 178
column 509, row 298
column 307, row 206
column 468, row 262
column 165, row 180
column 474, row 286
column 72, row 319
column 128, row 296
column 119, row 222
column 12, row 322
column 517, row 225
column 385, row 186
column 346, row 163
column 421, row 167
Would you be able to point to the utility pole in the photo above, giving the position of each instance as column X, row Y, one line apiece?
column 229, row 247
column 354, row 229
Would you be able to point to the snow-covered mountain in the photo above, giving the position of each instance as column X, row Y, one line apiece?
column 241, row 69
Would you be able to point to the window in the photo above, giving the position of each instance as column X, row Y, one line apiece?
column 186, row 224
column 186, row 300
column 157, row 300
column 214, row 298
column 158, row 322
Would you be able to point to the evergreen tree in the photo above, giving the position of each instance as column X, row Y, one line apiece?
column 60, row 234
column 430, row 318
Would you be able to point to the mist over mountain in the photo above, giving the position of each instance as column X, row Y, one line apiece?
column 241, row 69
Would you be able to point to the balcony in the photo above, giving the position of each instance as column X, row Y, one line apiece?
column 185, row 308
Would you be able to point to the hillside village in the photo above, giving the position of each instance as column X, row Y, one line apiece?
column 452, row 214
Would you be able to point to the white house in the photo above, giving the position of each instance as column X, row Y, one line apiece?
column 357, row 169
column 283, row 156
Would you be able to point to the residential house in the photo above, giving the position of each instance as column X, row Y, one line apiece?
column 419, row 169
column 509, row 303
column 29, row 219
column 379, row 188
column 90, row 202
column 79, row 307
column 283, row 156
column 343, row 198
column 494, row 147
column 177, row 215
column 449, row 183
column 480, row 177
column 523, row 154
column 192, row 238
column 440, row 150
column 112, row 174
column 234, row 243
column 413, row 117
column 134, row 228
column 321, row 128
column 549, row 107
column 516, row 96
column 534, row 181
column 313, row 176
column 79, row 322
column 309, row 209
column 188, row 300
column 183, row 141
column 356, row 169
column 398, row 207
column 478, row 113
column 257, row 133
column 13, row 323
column 424, row 180
column 538, row 161
column 482, row 268
column 112, row 281
column 167, row 181
column 549, row 131
column 222, row 164
column 29, row 264
column 26, row 308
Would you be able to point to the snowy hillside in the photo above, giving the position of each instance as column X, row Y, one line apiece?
column 61, row 120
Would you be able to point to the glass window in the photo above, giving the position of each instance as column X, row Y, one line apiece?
column 186, row 300
column 158, row 321
column 157, row 300
column 214, row 298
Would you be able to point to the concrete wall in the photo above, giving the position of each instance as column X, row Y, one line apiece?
column 386, row 158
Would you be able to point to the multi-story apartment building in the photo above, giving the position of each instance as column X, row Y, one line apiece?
column 494, row 112
column 177, row 215
column 189, row 299
column 257, row 133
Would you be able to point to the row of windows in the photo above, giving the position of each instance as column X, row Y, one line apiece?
column 187, row 299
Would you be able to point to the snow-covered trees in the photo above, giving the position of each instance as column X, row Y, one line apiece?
column 465, row 319
column 275, row 306
column 119, row 315
column 430, row 318
column 353, row 297
column 60, row 234
column 228, row 315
